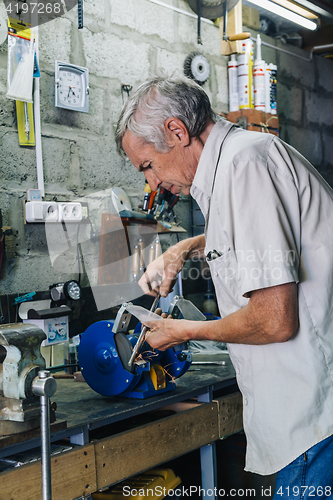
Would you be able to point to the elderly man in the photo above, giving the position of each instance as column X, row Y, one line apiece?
column 268, row 242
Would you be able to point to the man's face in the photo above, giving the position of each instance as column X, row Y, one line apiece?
column 174, row 170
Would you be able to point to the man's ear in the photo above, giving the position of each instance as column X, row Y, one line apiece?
column 176, row 132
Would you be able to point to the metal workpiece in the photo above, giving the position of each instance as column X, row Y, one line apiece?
column 45, row 386
column 142, row 333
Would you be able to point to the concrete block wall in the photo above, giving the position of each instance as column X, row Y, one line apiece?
column 121, row 43
column 124, row 43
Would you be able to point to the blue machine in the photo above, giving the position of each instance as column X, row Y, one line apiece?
column 105, row 350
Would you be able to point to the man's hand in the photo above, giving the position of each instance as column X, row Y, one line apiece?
column 162, row 273
column 165, row 334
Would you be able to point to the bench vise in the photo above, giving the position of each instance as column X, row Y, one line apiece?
column 20, row 362
column 105, row 351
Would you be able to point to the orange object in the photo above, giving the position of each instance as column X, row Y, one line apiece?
column 151, row 201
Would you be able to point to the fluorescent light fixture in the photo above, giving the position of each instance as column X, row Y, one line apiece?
column 302, row 11
column 287, row 14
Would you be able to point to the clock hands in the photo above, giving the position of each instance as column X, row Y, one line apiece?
column 70, row 89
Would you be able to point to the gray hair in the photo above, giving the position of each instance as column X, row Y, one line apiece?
column 158, row 99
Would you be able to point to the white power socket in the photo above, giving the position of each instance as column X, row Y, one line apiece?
column 51, row 211
column 70, row 212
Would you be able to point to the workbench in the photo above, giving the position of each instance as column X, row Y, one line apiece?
column 113, row 438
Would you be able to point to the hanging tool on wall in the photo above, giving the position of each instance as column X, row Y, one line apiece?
column 146, row 197
column 127, row 89
column 169, row 213
column 209, row 9
column 9, row 248
column 196, row 67
column 160, row 198
column 25, row 123
column 80, row 14
column 151, row 201
column 167, row 196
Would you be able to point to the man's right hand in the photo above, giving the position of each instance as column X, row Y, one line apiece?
column 162, row 273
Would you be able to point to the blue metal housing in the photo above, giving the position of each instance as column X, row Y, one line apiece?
column 104, row 372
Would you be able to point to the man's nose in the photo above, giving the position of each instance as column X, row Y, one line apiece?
column 153, row 181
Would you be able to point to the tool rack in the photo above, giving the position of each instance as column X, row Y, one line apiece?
column 198, row 420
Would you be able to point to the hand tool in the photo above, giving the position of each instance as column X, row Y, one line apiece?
column 167, row 196
column 163, row 196
column 146, row 197
column 151, row 201
column 80, row 14
column 169, row 211
column 143, row 333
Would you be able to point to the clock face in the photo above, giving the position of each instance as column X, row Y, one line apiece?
column 71, row 87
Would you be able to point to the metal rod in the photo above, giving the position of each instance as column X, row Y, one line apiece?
column 45, row 386
column 142, row 334
column 181, row 11
column 46, row 447
column 308, row 59
column 199, row 22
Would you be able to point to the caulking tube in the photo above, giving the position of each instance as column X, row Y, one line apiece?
column 259, row 79
column 267, row 88
column 233, row 84
column 273, row 88
column 245, row 63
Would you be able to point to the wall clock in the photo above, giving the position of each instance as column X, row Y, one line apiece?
column 71, row 87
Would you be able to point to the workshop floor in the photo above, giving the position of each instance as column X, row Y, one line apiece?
column 232, row 479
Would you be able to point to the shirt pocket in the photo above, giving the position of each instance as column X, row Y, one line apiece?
column 225, row 276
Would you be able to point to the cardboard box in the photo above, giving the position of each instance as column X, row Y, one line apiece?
column 251, row 17
column 255, row 120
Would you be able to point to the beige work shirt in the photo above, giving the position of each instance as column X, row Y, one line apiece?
column 269, row 219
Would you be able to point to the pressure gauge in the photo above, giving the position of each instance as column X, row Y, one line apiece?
column 71, row 87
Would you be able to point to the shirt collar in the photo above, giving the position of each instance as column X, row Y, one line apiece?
column 204, row 177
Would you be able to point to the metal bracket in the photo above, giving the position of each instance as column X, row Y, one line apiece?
column 122, row 319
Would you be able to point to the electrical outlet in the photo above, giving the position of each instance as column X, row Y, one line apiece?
column 51, row 211
column 70, row 212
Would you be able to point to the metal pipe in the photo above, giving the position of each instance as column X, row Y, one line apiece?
column 180, row 11
column 45, row 386
column 308, row 59
column 46, row 447
column 320, row 47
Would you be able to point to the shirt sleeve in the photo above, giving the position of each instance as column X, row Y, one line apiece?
column 263, row 202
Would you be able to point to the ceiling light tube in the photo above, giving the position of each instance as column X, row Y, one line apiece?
column 287, row 14
column 297, row 8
